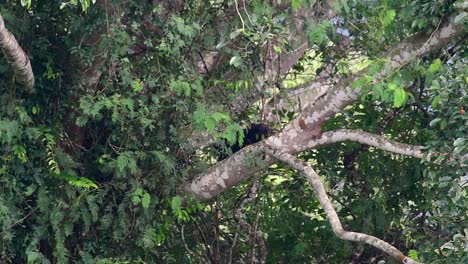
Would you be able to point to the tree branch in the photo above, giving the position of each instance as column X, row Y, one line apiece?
column 342, row 94
column 303, row 132
column 366, row 138
column 332, row 216
column 16, row 56
column 233, row 170
column 276, row 64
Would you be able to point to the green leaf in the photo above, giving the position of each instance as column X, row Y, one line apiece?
column 459, row 142
column 236, row 33
column 435, row 84
column 145, row 200
column 181, row 87
column 30, row 189
column 460, row 18
column 210, row 124
column 138, row 191
column 231, row 133
column 392, row 86
column 197, row 86
column 199, row 116
column 277, row 49
column 221, row 44
column 20, row 153
column 235, row 61
column 434, row 122
column 317, row 35
column 73, row 180
column 295, row 4
column 26, row 3
column 443, row 124
column 361, row 82
column 378, row 91
column 218, row 116
column 399, row 97
column 436, row 101
column 136, row 199
column 346, row 7
column 176, row 203
column 126, row 161
column 435, row 66
column 413, row 254
column 83, row 183
column 137, row 86
column 167, row 162
column 374, row 68
column 148, row 238
column 458, row 150
column 388, row 17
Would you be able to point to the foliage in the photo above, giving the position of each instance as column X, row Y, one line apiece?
column 91, row 171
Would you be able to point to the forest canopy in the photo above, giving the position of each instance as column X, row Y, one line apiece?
column 233, row 131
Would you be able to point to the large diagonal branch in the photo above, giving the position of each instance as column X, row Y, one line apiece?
column 376, row 141
column 332, row 216
column 303, row 131
column 366, row 138
column 342, row 94
column 236, row 164
column 16, row 57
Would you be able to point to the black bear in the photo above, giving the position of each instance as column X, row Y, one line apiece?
column 252, row 134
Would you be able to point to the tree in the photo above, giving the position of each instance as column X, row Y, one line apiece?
column 112, row 148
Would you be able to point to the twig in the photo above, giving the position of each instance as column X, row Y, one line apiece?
column 247, row 13
column 240, row 16
column 185, row 243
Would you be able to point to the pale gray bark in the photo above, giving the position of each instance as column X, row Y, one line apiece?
column 369, row 139
column 332, row 216
column 304, row 131
column 16, row 56
column 323, row 99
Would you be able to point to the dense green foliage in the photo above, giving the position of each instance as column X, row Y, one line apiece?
column 90, row 170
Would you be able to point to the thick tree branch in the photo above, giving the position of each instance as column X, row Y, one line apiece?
column 367, row 139
column 300, row 97
column 16, row 57
column 234, row 169
column 332, row 216
column 303, row 132
column 376, row 141
column 225, row 174
column 342, row 94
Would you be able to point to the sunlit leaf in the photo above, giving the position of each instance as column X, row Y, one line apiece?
column 145, row 200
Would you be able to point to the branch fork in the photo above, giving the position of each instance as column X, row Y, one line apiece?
column 332, row 216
